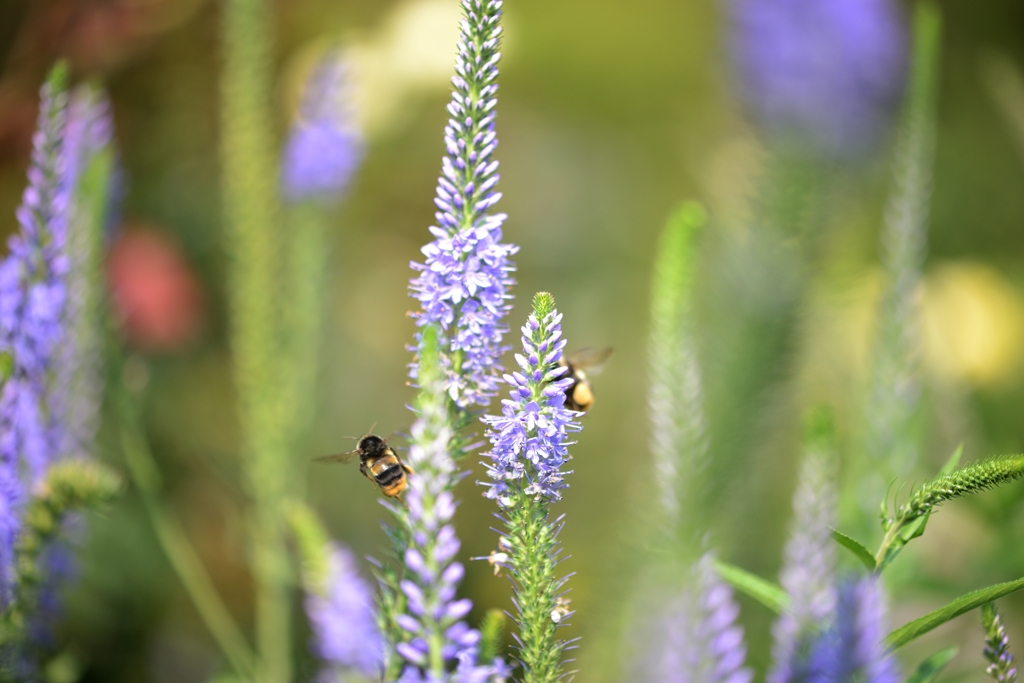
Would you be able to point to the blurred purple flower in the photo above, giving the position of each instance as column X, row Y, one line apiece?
column 997, row 646
column 808, row 571
column 432, row 576
column 530, row 438
column 697, row 638
column 32, row 297
column 825, row 73
column 345, row 634
column 853, row 648
column 463, row 284
column 77, row 395
column 324, row 147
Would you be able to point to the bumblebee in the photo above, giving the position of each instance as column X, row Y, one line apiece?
column 579, row 395
column 379, row 463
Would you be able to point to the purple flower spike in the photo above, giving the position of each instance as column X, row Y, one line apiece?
column 463, row 283
column 324, row 147
column 32, row 296
column 854, row 648
column 697, row 639
column 77, row 398
column 997, row 646
column 437, row 641
column 529, row 440
column 827, row 73
column 808, row 570
column 342, row 615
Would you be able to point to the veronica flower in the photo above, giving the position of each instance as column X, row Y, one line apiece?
column 463, row 283
column 854, row 648
column 529, row 448
column 997, row 646
column 697, row 637
column 808, row 571
column 78, row 394
column 341, row 613
column 437, row 640
column 675, row 402
column 32, row 295
column 827, row 73
column 324, row 147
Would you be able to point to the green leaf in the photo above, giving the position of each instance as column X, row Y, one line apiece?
column 855, row 547
column 928, row 670
column 492, row 635
column 963, row 604
column 916, row 528
column 953, row 461
column 769, row 594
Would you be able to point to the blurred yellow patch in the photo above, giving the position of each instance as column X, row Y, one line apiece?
column 973, row 324
column 410, row 54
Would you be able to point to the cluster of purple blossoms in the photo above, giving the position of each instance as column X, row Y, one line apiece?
column 439, row 639
column 529, row 440
column 854, row 648
column 698, row 639
column 808, row 569
column 325, row 146
column 463, row 284
column 827, row 73
column 997, row 646
column 342, row 616
column 32, row 296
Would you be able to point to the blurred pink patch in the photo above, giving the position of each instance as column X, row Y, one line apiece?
column 155, row 294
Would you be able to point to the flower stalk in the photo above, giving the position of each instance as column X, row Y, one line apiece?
column 899, row 527
column 529, row 449
column 997, row 646
column 251, row 213
column 463, row 283
column 678, row 431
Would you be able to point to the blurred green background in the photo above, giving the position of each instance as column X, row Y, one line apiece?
column 611, row 114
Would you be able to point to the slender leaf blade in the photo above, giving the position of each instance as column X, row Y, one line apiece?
column 855, row 547
column 928, row 670
column 963, row 604
column 769, row 594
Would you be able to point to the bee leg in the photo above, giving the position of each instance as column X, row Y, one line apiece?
column 402, row 501
column 408, row 470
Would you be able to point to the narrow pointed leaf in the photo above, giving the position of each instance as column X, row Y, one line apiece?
column 769, row 594
column 963, row 604
column 855, row 547
column 928, row 670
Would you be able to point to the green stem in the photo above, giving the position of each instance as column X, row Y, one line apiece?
column 532, row 542
column 179, row 551
column 251, row 215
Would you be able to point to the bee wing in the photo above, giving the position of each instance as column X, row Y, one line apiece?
column 589, row 358
column 338, row 457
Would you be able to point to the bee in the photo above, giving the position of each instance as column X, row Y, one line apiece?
column 579, row 395
column 379, row 463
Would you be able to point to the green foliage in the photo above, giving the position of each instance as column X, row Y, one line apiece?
column 492, row 635
column 543, row 304
column 311, row 539
column 908, row 521
column 928, row 670
column 674, row 398
column 256, row 248
column 769, row 594
column 69, row 486
column 172, row 538
column 965, row 603
column 532, row 543
column 965, row 481
column 855, row 547
column 997, row 646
